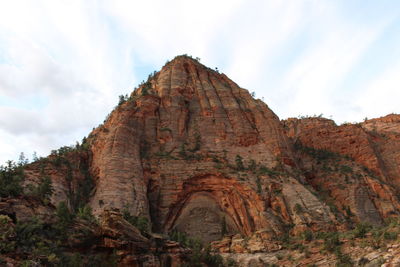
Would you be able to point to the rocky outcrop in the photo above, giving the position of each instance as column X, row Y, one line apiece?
column 168, row 139
column 192, row 152
column 364, row 165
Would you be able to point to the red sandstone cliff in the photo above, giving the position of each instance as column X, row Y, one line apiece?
column 193, row 152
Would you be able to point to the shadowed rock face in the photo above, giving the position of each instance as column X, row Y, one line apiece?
column 203, row 219
column 192, row 151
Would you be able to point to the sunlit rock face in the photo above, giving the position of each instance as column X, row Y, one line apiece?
column 193, row 152
column 168, row 153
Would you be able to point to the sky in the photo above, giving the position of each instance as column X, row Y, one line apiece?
column 63, row 64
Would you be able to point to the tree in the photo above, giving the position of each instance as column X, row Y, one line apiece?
column 45, row 189
column 7, row 234
column 35, row 156
column 22, row 160
column 121, row 99
column 64, row 215
column 239, row 163
column 11, row 177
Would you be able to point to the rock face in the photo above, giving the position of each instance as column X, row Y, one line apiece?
column 369, row 163
column 165, row 153
column 193, row 152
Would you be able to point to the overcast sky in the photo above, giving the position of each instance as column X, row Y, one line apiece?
column 64, row 63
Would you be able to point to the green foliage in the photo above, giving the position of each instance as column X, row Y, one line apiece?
column 320, row 154
column 36, row 238
column 298, row 208
column 348, row 211
column 22, row 160
column 146, row 87
column 62, row 151
column 37, row 243
column 239, row 163
column 43, row 190
column 361, row 230
column 101, row 260
column 11, row 178
column 85, row 213
column 284, row 238
column 7, row 234
column 199, row 255
column 390, row 235
column 122, row 99
column 212, row 260
column 188, row 155
column 308, row 235
column 185, row 240
column 64, row 216
column 230, row 262
column 71, row 260
column 165, row 129
column 343, row 260
column 265, row 170
column 331, row 241
column 252, row 165
column 345, row 169
column 140, row 222
column 224, row 229
column 80, row 196
column 259, row 186
column 84, row 144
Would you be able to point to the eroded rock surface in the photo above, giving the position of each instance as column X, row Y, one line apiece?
column 192, row 152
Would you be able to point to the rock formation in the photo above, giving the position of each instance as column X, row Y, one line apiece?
column 189, row 151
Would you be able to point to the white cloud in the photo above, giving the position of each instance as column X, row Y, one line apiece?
column 71, row 59
column 381, row 96
column 318, row 74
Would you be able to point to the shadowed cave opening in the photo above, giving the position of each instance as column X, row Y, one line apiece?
column 203, row 219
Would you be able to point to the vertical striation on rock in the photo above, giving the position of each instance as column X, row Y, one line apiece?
column 190, row 151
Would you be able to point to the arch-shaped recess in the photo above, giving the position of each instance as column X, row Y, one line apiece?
column 204, row 219
column 206, row 201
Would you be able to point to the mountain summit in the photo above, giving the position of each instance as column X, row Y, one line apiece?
column 190, row 155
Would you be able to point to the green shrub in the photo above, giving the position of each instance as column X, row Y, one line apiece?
column 43, row 190
column 252, row 165
column 7, row 234
column 345, row 169
column 122, row 99
column 298, row 208
column 64, row 216
column 11, row 178
column 259, row 186
column 343, row 260
column 361, row 230
column 265, row 170
column 34, row 236
column 85, row 213
column 224, row 229
column 212, row 260
column 390, row 235
column 165, row 129
column 140, row 222
column 308, row 235
column 331, row 241
column 239, row 163
column 230, row 262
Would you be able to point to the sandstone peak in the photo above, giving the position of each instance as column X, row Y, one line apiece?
column 192, row 153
